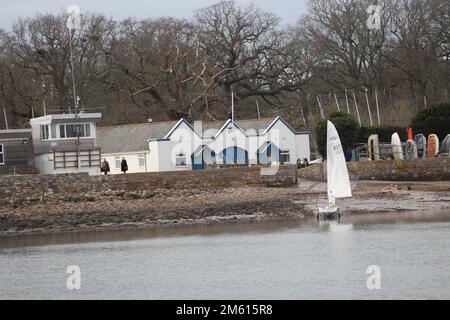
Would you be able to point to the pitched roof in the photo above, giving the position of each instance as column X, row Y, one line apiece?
column 15, row 134
column 134, row 137
column 257, row 125
column 131, row 137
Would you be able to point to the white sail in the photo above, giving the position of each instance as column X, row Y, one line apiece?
column 337, row 174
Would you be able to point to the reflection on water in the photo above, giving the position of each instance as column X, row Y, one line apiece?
column 277, row 260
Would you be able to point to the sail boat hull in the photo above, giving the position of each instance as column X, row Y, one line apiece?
column 328, row 213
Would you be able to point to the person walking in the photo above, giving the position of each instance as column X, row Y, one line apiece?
column 105, row 166
column 124, row 165
column 299, row 164
column 305, row 163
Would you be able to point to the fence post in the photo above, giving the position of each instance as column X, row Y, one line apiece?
column 321, row 173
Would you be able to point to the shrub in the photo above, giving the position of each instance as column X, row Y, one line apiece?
column 384, row 133
column 351, row 133
column 435, row 119
column 347, row 128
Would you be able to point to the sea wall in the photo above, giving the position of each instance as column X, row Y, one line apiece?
column 33, row 185
column 436, row 169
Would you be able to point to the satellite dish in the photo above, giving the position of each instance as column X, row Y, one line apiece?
column 73, row 21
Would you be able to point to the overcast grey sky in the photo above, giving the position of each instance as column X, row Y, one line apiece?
column 10, row 10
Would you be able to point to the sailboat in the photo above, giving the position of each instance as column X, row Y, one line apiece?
column 338, row 182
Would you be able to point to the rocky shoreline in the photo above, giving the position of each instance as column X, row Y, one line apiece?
column 166, row 207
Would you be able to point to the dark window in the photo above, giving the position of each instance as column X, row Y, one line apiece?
column 44, row 132
column 2, row 159
column 88, row 130
column 71, row 131
column 62, row 131
column 180, row 160
column 284, row 156
column 81, row 130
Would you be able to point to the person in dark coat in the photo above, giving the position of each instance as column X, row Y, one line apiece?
column 305, row 163
column 124, row 165
column 105, row 166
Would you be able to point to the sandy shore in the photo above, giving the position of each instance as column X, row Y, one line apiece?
column 113, row 210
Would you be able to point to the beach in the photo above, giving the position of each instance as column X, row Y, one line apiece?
column 110, row 210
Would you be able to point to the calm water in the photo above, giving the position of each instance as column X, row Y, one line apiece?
column 289, row 260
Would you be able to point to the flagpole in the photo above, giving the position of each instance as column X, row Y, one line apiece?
column 368, row 107
column 378, row 107
column 346, row 100
column 337, row 102
column 320, row 107
column 357, row 110
column 232, row 105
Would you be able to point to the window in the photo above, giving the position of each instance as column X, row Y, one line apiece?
column 65, row 131
column 2, row 155
column 180, row 160
column 62, row 131
column 142, row 161
column 48, row 132
column 117, row 160
column 53, row 132
column 284, row 156
column 44, row 132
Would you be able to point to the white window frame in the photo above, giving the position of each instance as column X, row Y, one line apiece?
column 51, row 136
column 285, row 152
column 117, row 160
column 141, row 156
column 2, row 152
column 180, row 156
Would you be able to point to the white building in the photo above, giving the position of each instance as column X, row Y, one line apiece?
column 177, row 146
column 59, row 149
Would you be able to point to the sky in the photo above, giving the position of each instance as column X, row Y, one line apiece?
column 288, row 10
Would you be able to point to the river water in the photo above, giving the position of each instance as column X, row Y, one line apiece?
column 277, row 260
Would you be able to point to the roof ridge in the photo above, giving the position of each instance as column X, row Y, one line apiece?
column 135, row 124
column 176, row 121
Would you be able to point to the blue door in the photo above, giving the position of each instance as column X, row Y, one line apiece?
column 202, row 157
column 235, row 156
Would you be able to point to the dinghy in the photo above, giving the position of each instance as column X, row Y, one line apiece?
column 433, row 146
column 421, row 143
column 445, row 147
column 410, row 147
column 374, row 147
column 338, row 182
column 411, row 150
column 397, row 150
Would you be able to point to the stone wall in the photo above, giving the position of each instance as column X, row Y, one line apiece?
column 78, row 183
column 436, row 169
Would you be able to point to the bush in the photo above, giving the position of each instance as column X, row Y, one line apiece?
column 351, row 133
column 347, row 128
column 433, row 120
column 384, row 133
